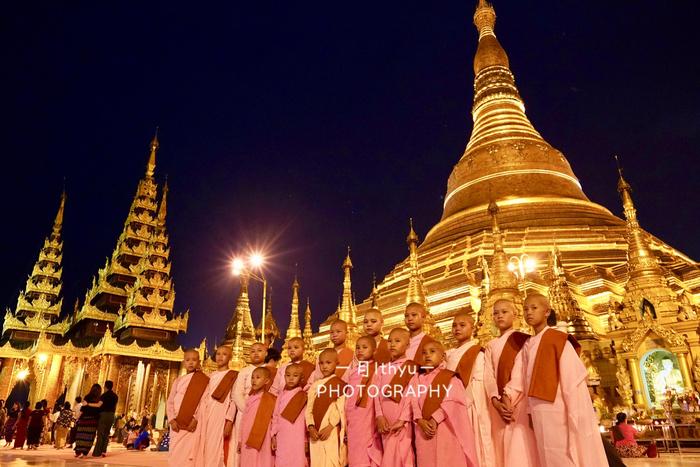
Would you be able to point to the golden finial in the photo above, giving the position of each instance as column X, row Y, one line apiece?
column 622, row 184
column 347, row 264
column 484, row 18
column 58, row 221
column 151, row 168
column 375, row 293
column 163, row 208
column 412, row 237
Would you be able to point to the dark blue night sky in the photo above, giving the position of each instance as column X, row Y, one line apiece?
column 306, row 127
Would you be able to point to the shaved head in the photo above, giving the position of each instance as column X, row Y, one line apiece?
column 328, row 353
column 401, row 332
column 465, row 313
column 296, row 339
column 369, row 340
column 341, row 323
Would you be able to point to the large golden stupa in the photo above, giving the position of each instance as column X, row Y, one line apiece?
column 516, row 219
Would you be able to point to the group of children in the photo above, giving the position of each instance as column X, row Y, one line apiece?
column 401, row 401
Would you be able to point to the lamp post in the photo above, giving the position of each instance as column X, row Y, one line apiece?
column 242, row 266
column 521, row 265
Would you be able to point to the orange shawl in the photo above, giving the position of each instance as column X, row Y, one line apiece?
column 381, row 353
column 402, row 379
column 506, row 361
column 334, row 386
column 545, row 373
column 436, row 393
column 466, row 363
column 224, row 387
column 344, row 360
column 263, row 416
column 193, row 393
column 294, row 407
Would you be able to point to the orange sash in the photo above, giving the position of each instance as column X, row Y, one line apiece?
column 263, row 416
column 545, row 373
column 365, row 382
column 410, row 369
column 418, row 357
column 466, row 363
column 294, row 407
column 506, row 361
column 307, row 368
column 224, row 387
column 344, row 360
column 436, row 393
column 273, row 373
column 381, row 353
column 193, row 393
column 324, row 400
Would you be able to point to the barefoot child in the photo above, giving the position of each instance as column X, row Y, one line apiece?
column 288, row 427
column 414, row 317
column 364, row 443
column 372, row 324
column 553, row 381
column 325, row 415
column 467, row 359
column 443, row 433
column 219, row 413
column 513, row 440
column 184, row 409
column 295, row 350
column 393, row 411
column 255, row 442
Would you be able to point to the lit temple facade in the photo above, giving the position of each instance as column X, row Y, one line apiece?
column 515, row 221
column 124, row 330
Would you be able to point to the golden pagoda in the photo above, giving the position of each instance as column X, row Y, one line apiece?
column 124, row 331
column 294, row 329
column 514, row 200
column 309, row 351
column 272, row 331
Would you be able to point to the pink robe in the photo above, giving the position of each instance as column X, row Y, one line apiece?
column 566, row 430
column 251, row 457
column 215, row 414
column 184, row 445
column 364, row 442
column 477, row 403
column 398, row 449
column 514, row 443
column 413, row 345
column 241, row 389
column 453, row 443
column 291, row 437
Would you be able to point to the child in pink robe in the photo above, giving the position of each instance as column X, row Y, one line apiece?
column 565, row 428
column 255, row 423
column 184, row 439
column 443, row 432
column 393, row 411
column 289, row 437
column 364, row 444
column 513, row 442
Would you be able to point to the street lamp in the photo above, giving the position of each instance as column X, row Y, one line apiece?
column 241, row 266
column 521, row 265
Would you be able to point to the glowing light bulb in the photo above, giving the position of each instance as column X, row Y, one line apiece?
column 256, row 260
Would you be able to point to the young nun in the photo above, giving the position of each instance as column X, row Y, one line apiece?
column 288, row 427
column 295, row 350
column 467, row 359
column 364, row 443
column 414, row 317
column 339, row 334
column 513, row 439
column 325, row 415
column 242, row 386
column 219, row 413
column 443, row 432
column 392, row 409
column 255, row 441
column 372, row 324
column 184, row 410
column 552, row 379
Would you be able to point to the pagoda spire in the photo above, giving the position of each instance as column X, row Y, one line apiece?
column 163, row 207
column 241, row 314
column 505, row 156
column 415, row 292
column 375, row 294
column 151, row 166
column 309, row 353
column 346, row 311
column 294, row 329
column 272, row 331
column 563, row 301
column 39, row 304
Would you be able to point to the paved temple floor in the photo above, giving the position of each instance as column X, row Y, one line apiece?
column 46, row 456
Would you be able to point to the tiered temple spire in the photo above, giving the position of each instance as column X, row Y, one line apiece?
column 39, row 304
column 564, row 303
column 346, row 312
column 241, row 323
column 134, row 290
column 309, row 352
column 294, row 329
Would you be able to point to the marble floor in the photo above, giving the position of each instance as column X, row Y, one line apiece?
column 46, row 456
column 667, row 460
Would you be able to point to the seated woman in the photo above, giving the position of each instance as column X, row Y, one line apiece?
column 623, row 436
column 144, row 438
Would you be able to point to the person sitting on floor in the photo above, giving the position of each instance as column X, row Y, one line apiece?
column 623, row 435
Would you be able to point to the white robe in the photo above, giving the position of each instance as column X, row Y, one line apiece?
column 215, row 415
column 331, row 452
column 477, row 403
column 566, row 430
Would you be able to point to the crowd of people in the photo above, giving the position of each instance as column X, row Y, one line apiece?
column 397, row 401
column 88, row 424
